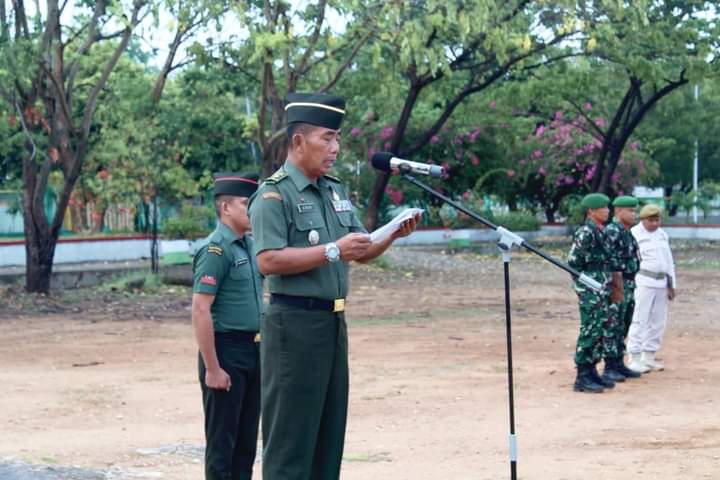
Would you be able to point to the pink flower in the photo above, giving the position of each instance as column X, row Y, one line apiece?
column 569, row 180
column 474, row 160
column 588, row 106
column 371, row 152
column 459, row 154
column 356, row 132
column 510, row 173
column 590, row 173
column 634, row 146
column 615, row 178
column 434, row 140
column 466, row 195
column 537, row 154
column 387, row 145
column 493, row 104
column 558, row 115
column 542, row 171
column 387, row 132
column 539, row 131
column 600, row 122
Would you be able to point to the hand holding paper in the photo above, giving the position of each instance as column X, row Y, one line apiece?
column 393, row 225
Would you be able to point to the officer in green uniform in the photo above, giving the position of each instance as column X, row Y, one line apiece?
column 306, row 234
column 622, row 243
column 589, row 254
column 227, row 304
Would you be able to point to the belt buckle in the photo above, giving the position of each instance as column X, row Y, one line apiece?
column 256, row 339
column 339, row 305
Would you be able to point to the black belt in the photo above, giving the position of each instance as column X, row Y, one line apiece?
column 239, row 336
column 629, row 276
column 309, row 303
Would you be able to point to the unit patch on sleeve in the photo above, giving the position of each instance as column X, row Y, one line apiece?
column 208, row 280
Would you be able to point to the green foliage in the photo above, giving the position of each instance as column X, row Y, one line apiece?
column 193, row 222
column 518, row 221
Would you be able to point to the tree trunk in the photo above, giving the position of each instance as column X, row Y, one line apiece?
column 550, row 214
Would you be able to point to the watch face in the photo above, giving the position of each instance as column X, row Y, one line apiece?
column 332, row 252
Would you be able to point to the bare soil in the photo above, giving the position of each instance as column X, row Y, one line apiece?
column 107, row 380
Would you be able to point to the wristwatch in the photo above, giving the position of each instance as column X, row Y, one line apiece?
column 332, row 252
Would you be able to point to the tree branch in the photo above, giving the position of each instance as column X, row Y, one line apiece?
column 109, row 66
column 347, row 63
column 310, row 49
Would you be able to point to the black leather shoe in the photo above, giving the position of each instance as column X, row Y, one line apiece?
column 626, row 371
column 598, row 379
column 584, row 381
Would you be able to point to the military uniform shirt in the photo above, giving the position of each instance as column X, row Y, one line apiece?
column 589, row 253
column 289, row 210
column 623, row 247
column 225, row 266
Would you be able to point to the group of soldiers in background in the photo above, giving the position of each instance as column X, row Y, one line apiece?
column 631, row 262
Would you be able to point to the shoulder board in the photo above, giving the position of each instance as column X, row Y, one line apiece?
column 334, row 179
column 216, row 249
column 276, row 177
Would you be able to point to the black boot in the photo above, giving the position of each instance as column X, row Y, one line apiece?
column 584, row 381
column 598, row 379
column 619, row 366
column 612, row 371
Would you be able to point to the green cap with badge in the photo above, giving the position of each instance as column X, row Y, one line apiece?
column 235, row 184
column 595, row 200
column 625, row 201
column 317, row 109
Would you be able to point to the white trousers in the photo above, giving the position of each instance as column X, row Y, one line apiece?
column 649, row 320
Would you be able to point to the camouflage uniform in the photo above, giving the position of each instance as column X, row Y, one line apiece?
column 589, row 255
column 626, row 252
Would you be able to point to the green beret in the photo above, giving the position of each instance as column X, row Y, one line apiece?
column 595, row 200
column 625, row 201
column 236, row 184
column 649, row 210
column 316, row 109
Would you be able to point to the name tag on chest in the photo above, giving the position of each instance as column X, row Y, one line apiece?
column 240, row 262
column 342, row 205
column 305, row 207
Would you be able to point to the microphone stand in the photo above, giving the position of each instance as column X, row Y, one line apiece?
column 506, row 242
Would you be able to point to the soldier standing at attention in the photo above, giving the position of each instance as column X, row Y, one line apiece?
column 625, row 247
column 226, row 307
column 306, row 234
column 589, row 254
column 656, row 283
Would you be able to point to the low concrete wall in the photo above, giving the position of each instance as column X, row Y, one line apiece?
column 106, row 249
column 117, row 249
column 443, row 236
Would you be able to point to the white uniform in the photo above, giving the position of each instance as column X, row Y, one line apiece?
column 650, row 317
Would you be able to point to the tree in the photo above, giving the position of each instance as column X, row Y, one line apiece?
column 446, row 52
column 291, row 48
column 40, row 60
column 658, row 47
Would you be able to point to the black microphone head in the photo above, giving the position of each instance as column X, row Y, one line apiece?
column 381, row 161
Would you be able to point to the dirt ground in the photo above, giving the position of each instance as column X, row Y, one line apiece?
column 100, row 379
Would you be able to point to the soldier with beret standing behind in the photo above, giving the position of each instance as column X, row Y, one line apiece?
column 306, row 234
column 227, row 304
column 590, row 255
column 623, row 245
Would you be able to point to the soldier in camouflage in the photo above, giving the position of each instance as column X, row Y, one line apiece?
column 625, row 248
column 589, row 254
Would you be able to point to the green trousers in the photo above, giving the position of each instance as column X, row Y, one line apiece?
column 304, row 359
column 232, row 418
column 593, row 320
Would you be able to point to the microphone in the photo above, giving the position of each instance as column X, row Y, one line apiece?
column 387, row 162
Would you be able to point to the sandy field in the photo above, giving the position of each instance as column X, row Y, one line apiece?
column 106, row 380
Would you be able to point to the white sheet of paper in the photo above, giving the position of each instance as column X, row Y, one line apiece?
column 389, row 228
